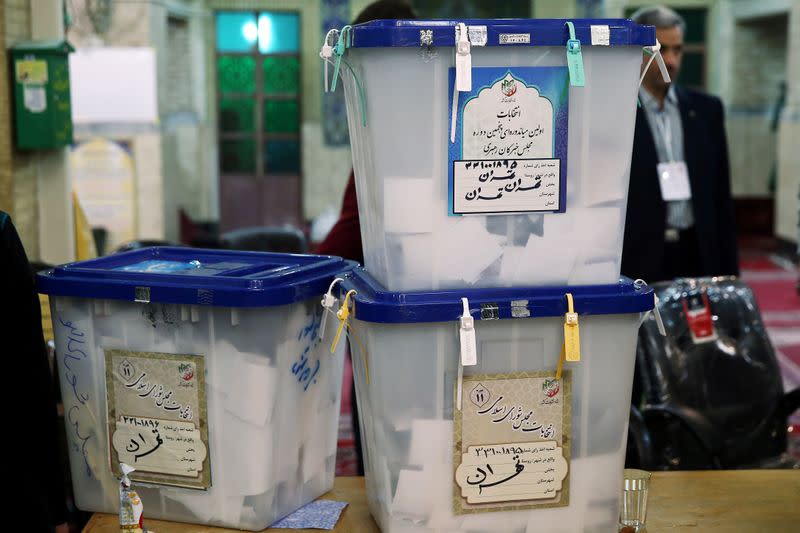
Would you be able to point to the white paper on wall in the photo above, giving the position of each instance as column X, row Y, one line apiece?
column 113, row 85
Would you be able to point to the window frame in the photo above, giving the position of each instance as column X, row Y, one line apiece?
column 259, row 98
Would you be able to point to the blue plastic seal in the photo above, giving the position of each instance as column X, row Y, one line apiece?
column 577, row 78
column 499, row 32
column 375, row 304
column 197, row 277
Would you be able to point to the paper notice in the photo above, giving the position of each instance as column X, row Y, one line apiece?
column 157, row 416
column 512, row 442
column 512, row 472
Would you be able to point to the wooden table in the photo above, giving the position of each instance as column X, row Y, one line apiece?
column 736, row 501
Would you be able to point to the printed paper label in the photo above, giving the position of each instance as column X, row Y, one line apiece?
column 157, row 417
column 31, row 71
column 514, row 38
column 155, row 266
column 510, row 149
column 518, row 472
column 673, row 179
column 34, row 98
column 187, row 268
column 517, row 184
column 512, row 442
column 601, row 35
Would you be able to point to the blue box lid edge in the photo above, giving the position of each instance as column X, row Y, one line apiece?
column 375, row 304
column 541, row 32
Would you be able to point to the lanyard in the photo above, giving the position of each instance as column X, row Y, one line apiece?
column 664, row 126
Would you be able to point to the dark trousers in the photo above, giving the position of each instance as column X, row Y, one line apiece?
column 682, row 256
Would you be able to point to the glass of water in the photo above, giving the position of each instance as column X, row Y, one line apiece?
column 633, row 511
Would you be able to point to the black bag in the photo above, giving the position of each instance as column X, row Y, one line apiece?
column 709, row 394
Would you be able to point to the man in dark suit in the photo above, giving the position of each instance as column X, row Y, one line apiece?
column 680, row 213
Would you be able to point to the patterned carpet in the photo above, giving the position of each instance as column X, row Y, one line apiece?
column 773, row 280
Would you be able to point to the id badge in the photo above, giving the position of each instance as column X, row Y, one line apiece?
column 673, row 177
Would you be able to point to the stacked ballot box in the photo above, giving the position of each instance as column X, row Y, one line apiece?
column 434, row 464
column 519, row 179
column 493, row 338
column 207, row 372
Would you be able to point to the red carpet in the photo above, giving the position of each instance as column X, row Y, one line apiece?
column 774, row 281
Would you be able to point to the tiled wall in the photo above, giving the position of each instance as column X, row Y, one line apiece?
column 130, row 25
column 6, row 181
column 760, row 52
column 149, row 189
column 19, row 190
column 172, row 162
column 176, row 93
column 17, row 21
column 752, row 152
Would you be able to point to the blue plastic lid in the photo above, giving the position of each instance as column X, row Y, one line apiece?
column 198, row 277
column 374, row 304
column 499, row 32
